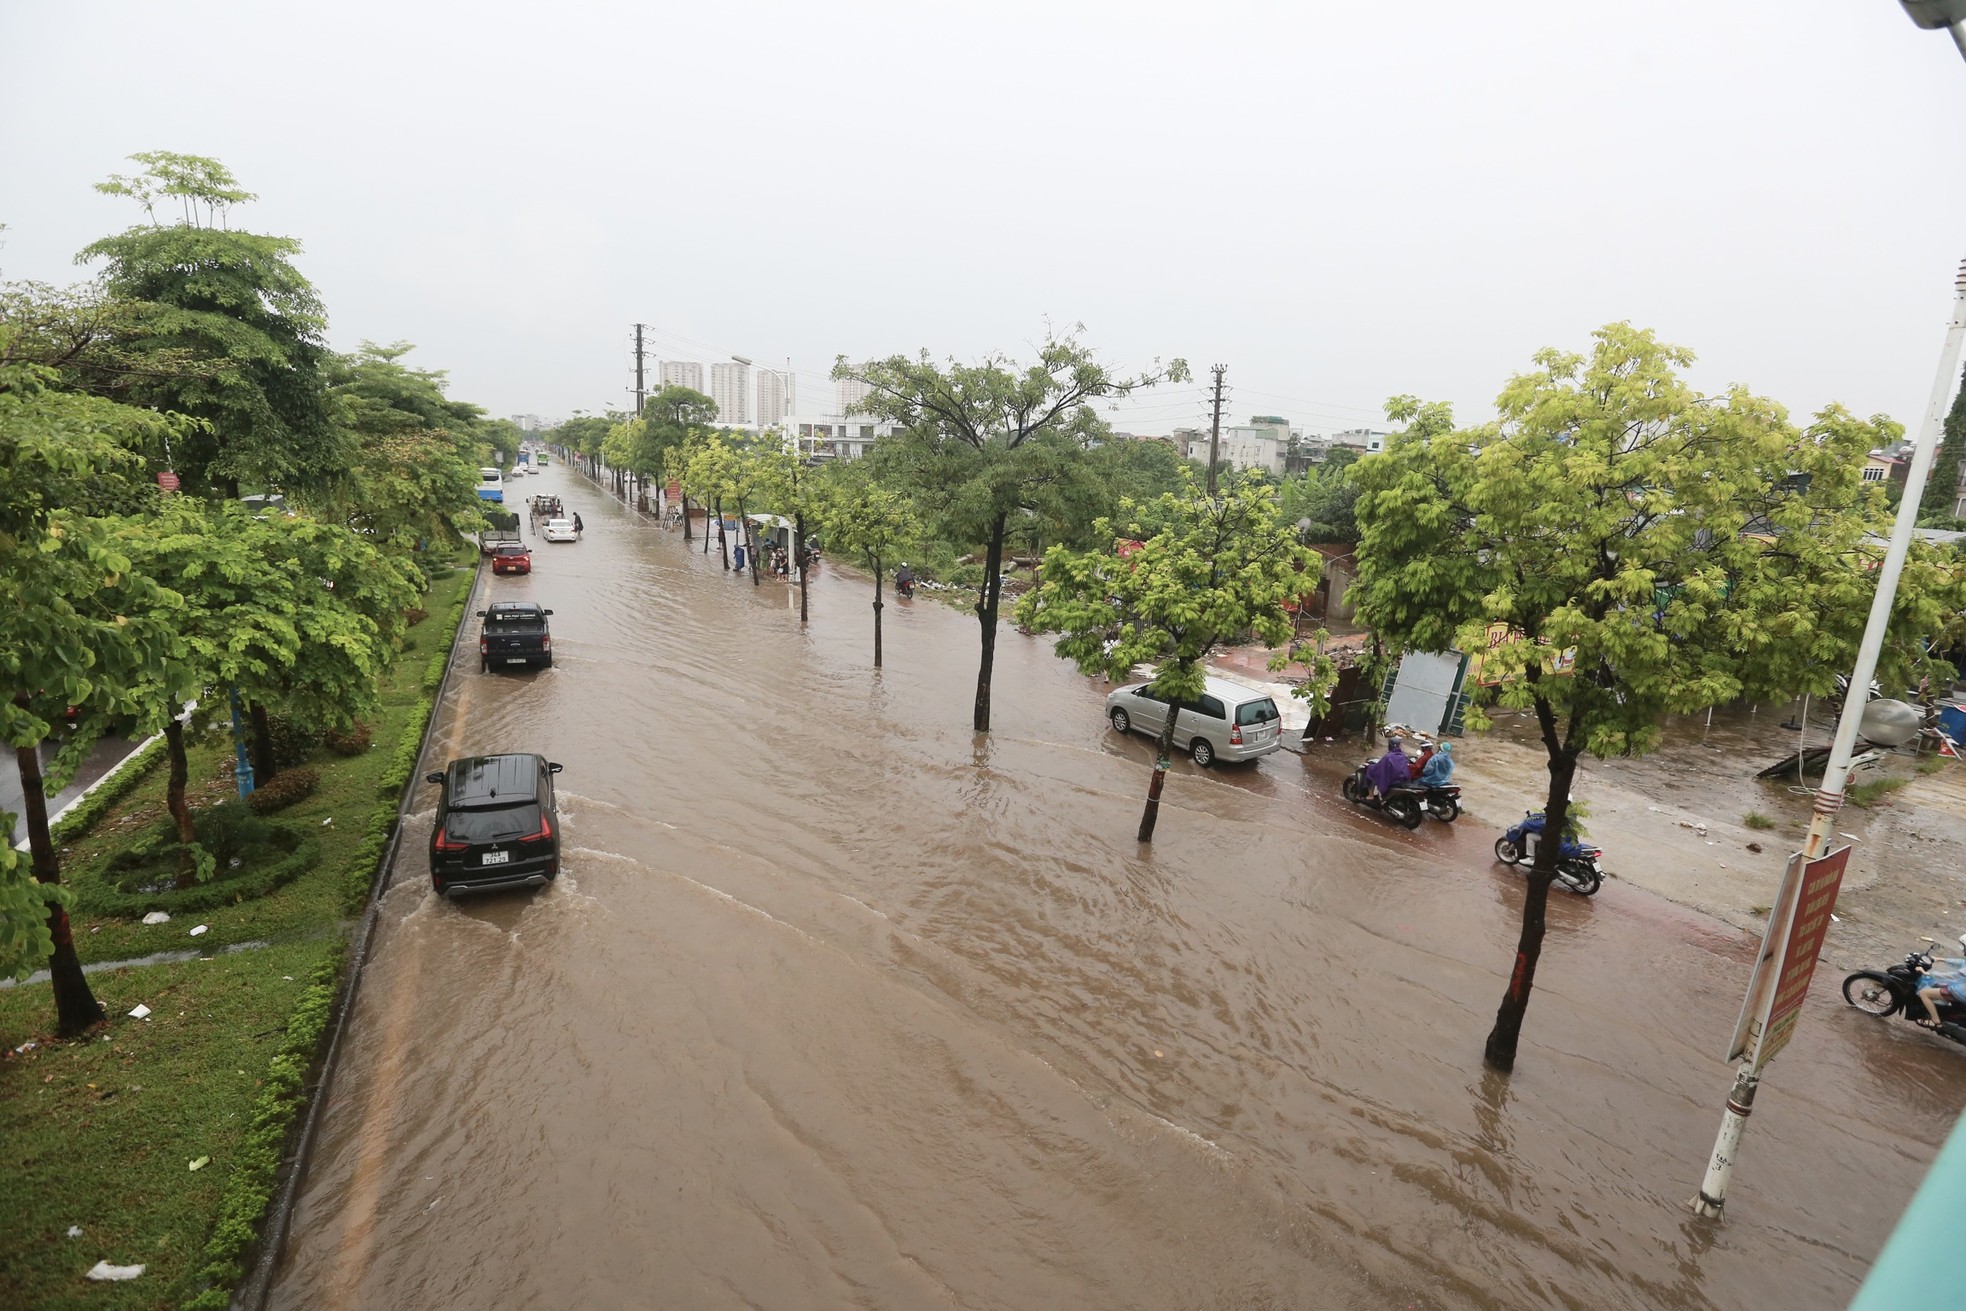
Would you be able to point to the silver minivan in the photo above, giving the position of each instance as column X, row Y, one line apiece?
column 1226, row 722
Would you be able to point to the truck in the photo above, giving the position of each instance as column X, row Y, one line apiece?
column 501, row 526
column 514, row 633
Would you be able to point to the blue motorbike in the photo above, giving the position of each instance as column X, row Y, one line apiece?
column 1576, row 860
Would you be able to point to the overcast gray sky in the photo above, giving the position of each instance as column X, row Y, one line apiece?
column 1339, row 201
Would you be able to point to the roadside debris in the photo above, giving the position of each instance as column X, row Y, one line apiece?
column 201, row 1162
column 75, row 1231
column 141, row 1012
column 103, row 1272
column 157, row 917
column 200, row 929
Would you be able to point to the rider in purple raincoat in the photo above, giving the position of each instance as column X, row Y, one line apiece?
column 1390, row 770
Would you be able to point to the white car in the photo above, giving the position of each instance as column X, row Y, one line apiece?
column 561, row 530
column 1227, row 722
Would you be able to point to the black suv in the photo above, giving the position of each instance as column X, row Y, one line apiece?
column 497, row 826
column 514, row 633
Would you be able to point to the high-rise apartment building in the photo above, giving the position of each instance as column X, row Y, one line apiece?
column 682, row 373
column 776, row 397
column 851, row 392
column 730, row 388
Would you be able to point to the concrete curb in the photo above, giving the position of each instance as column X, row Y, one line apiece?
column 254, row 1288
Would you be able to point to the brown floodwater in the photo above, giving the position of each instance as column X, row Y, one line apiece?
column 838, row 1004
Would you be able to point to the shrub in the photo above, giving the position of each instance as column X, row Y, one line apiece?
column 284, row 789
column 271, row 855
column 415, row 615
column 351, row 741
column 294, row 739
column 1755, row 819
column 964, row 575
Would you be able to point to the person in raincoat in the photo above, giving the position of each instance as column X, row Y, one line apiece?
column 1946, row 982
column 1439, row 768
column 1391, row 770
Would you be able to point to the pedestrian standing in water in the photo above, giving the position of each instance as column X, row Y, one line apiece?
column 578, row 527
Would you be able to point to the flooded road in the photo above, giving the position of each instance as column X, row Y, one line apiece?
column 840, row 1005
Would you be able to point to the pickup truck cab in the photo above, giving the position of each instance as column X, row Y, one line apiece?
column 514, row 633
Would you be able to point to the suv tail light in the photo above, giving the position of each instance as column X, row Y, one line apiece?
column 545, row 833
column 483, row 646
column 546, row 644
column 1235, row 735
column 446, row 843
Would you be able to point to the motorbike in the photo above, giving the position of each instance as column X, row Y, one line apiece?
column 904, row 589
column 1443, row 802
column 1894, row 991
column 1402, row 804
column 1576, row 860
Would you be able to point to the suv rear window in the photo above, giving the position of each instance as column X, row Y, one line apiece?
column 493, row 825
column 1210, row 706
column 1256, row 712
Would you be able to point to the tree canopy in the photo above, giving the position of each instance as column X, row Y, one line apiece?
column 235, row 302
column 983, row 442
column 1203, row 571
column 1620, row 547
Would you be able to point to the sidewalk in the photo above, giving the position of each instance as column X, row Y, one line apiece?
column 1674, row 821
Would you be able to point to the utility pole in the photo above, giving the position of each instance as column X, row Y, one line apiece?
column 640, row 390
column 1215, row 428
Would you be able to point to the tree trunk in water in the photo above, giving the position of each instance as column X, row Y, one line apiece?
column 76, row 1008
column 686, row 535
column 1499, row 1053
column 750, row 542
column 175, row 803
column 264, row 766
column 723, row 544
column 877, row 612
column 1163, row 752
column 986, row 615
column 799, row 546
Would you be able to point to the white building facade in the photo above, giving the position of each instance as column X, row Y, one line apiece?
column 682, row 373
column 730, row 388
column 777, row 397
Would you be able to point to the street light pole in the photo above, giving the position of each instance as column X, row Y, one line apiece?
column 1829, row 798
column 1934, row 14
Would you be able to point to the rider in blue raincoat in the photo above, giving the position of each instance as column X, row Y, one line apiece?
column 1439, row 768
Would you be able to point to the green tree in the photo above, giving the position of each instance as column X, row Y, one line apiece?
column 1208, row 570
column 1645, row 550
column 80, row 627
column 235, row 624
column 412, row 481
column 703, row 465
column 862, row 519
column 789, row 485
column 1946, row 482
column 1321, row 502
column 231, row 299
column 346, row 597
column 989, row 441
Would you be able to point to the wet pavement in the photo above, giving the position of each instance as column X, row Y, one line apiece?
column 839, row 1004
column 103, row 757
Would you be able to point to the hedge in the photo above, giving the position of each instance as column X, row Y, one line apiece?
column 256, row 1168
column 100, row 894
column 110, row 791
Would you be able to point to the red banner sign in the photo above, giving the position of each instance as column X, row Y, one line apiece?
column 167, row 480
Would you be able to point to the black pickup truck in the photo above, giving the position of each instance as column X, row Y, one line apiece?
column 514, row 633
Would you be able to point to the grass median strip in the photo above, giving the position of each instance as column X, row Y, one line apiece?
column 93, row 1129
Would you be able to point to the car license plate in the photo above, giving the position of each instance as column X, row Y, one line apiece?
column 497, row 858
column 515, row 660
